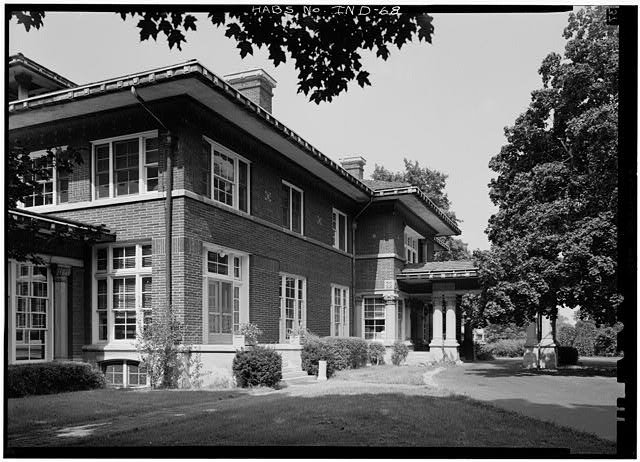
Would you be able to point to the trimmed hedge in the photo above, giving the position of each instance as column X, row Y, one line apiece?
column 567, row 356
column 376, row 353
column 400, row 353
column 339, row 353
column 49, row 378
column 257, row 366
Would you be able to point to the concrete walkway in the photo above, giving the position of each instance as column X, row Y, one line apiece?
column 579, row 399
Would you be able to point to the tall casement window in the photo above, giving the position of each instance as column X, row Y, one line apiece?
column 339, row 223
column 125, row 165
column 30, row 294
column 411, row 242
column 53, row 188
column 374, row 317
column 339, row 311
column 293, row 305
column 226, row 293
column 292, row 207
column 123, row 291
column 230, row 177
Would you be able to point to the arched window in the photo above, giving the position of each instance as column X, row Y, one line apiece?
column 124, row 373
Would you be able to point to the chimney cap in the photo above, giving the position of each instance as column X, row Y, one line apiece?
column 358, row 160
column 252, row 74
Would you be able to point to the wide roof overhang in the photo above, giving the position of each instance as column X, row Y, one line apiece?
column 415, row 200
column 194, row 80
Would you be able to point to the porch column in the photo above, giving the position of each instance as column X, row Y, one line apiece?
column 540, row 353
column 451, row 342
column 438, row 335
column 390, row 318
column 61, row 312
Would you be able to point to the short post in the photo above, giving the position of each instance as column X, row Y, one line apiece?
column 322, row 370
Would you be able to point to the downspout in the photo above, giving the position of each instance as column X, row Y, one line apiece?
column 354, row 225
column 169, row 199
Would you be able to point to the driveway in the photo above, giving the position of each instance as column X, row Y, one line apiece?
column 580, row 399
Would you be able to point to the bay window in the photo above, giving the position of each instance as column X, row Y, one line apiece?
column 374, row 318
column 292, row 207
column 293, row 310
column 230, row 176
column 125, row 165
column 123, row 291
column 226, row 294
column 339, row 311
column 339, row 224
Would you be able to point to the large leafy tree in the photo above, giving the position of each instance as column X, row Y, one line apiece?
column 554, row 235
column 325, row 42
column 433, row 183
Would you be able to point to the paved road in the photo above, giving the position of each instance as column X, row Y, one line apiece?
column 568, row 398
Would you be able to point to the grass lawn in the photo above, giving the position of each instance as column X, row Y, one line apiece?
column 192, row 418
column 406, row 375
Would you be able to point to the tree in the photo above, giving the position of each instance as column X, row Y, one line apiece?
column 433, row 183
column 554, row 235
column 324, row 41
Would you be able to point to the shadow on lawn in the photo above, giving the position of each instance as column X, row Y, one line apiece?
column 513, row 368
column 598, row 420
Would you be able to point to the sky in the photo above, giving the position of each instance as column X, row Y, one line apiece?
column 443, row 104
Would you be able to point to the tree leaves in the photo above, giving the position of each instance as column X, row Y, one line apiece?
column 554, row 235
column 29, row 18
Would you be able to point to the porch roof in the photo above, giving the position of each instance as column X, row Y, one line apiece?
column 436, row 270
column 47, row 224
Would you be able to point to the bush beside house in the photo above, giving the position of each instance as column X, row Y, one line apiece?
column 49, row 378
column 590, row 340
column 257, row 366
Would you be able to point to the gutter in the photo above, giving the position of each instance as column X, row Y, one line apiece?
column 354, row 225
column 168, row 141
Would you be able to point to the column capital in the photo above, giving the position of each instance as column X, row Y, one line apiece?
column 61, row 273
column 390, row 298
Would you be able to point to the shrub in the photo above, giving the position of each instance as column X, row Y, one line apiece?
column 511, row 331
column 566, row 335
column 482, row 353
column 350, row 352
column 48, row 378
column 585, row 336
column 567, row 356
column 505, row 348
column 219, row 377
column 399, row 353
column 251, row 333
column 376, row 353
column 257, row 366
column 317, row 349
column 606, row 342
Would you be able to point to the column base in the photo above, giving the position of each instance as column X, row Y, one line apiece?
column 444, row 351
column 540, row 357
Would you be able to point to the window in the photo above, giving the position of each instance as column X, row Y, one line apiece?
column 339, row 311
column 124, row 374
column 339, row 223
column 292, row 208
column 123, row 291
column 293, row 311
column 226, row 294
column 411, row 242
column 32, row 309
column 126, row 165
column 374, row 317
column 230, row 177
column 53, row 187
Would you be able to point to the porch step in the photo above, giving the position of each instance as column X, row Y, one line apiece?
column 295, row 374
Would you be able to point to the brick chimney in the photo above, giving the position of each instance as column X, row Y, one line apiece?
column 354, row 165
column 255, row 84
